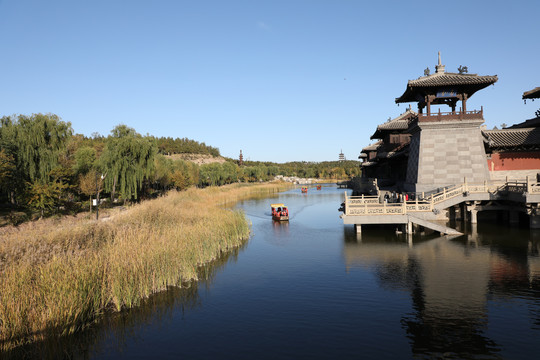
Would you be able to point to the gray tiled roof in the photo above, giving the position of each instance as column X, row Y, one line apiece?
column 470, row 83
column 532, row 94
column 527, row 124
column 398, row 123
column 372, row 147
column 368, row 163
column 444, row 79
column 514, row 138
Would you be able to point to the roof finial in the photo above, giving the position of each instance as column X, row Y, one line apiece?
column 439, row 68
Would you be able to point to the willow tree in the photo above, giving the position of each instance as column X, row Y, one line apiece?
column 35, row 143
column 127, row 160
column 7, row 168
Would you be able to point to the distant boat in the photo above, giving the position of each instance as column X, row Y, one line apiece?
column 319, row 187
column 280, row 212
column 304, row 189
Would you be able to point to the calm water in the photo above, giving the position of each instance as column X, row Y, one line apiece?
column 311, row 289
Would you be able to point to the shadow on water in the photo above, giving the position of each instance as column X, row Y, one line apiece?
column 450, row 282
column 115, row 329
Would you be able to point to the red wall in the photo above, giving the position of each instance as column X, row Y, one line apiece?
column 514, row 161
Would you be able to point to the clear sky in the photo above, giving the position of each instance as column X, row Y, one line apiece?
column 280, row 80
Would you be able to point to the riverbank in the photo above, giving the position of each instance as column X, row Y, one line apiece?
column 58, row 276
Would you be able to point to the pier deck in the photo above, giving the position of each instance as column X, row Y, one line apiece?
column 363, row 210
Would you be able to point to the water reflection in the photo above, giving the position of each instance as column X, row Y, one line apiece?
column 450, row 282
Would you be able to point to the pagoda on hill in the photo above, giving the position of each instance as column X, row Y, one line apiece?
column 446, row 147
column 241, row 159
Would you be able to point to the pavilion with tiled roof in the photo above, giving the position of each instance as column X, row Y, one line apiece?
column 442, row 88
column 445, row 147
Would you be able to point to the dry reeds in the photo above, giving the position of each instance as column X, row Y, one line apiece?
column 57, row 276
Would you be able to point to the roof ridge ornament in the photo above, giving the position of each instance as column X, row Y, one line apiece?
column 426, row 71
column 463, row 69
column 439, row 69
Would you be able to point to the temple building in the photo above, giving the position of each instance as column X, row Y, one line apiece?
column 448, row 162
column 446, row 147
column 514, row 152
column 387, row 158
column 430, row 149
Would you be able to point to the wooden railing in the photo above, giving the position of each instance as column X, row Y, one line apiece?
column 372, row 205
column 449, row 116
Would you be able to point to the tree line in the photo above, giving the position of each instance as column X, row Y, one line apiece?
column 45, row 167
column 169, row 146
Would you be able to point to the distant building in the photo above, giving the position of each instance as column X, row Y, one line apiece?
column 240, row 159
column 341, row 156
column 514, row 152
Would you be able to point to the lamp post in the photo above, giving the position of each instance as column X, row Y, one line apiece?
column 97, row 195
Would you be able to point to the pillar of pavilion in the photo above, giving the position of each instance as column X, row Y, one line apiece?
column 446, row 146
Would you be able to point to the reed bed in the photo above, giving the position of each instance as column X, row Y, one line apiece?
column 58, row 276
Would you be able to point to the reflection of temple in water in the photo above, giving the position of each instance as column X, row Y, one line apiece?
column 448, row 282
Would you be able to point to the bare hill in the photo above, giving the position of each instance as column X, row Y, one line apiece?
column 198, row 159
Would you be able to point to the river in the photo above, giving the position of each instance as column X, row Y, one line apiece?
column 312, row 289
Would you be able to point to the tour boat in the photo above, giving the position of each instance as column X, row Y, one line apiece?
column 319, row 187
column 280, row 212
column 304, row 189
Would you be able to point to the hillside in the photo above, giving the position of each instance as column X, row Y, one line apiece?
column 198, row 159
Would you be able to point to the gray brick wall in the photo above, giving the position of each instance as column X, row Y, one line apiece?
column 445, row 156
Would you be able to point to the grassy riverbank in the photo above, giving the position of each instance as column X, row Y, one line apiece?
column 57, row 276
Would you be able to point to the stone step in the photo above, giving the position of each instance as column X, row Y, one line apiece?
column 433, row 226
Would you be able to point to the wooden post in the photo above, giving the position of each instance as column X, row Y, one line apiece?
column 528, row 185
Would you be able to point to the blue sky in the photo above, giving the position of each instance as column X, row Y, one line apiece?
column 280, row 80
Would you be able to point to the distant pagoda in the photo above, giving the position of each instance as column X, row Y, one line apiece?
column 241, row 159
column 446, row 147
column 341, row 156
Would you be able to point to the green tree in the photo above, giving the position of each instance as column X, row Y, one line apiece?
column 127, row 160
column 7, row 169
column 44, row 196
column 211, row 174
column 39, row 141
column 35, row 143
column 85, row 159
